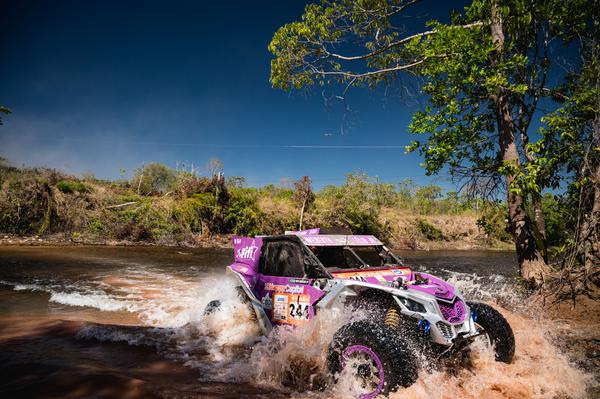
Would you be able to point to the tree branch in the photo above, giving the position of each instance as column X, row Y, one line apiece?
column 394, row 44
column 367, row 74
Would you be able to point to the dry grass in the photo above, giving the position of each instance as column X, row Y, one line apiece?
column 460, row 231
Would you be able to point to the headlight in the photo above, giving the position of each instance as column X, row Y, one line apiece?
column 411, row 305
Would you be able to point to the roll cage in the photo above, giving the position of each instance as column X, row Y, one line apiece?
column 289, row 256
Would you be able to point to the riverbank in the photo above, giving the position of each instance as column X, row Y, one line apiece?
column 224, row 241
column 167, row 207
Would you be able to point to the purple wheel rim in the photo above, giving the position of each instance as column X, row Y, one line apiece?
column 349, row 351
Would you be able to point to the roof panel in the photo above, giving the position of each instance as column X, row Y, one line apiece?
column 339, row 240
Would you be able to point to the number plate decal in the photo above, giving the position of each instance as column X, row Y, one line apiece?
column 291, row 308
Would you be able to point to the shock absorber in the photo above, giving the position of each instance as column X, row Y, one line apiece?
column 392, row 318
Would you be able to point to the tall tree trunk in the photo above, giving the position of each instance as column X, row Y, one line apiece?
column 540, row 225
column 302, row 213
column 592, row 241
column 590, row 235
column 531, row 260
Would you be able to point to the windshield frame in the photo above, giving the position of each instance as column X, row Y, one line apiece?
column 350, row 253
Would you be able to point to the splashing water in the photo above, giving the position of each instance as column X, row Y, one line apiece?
column 226, row 345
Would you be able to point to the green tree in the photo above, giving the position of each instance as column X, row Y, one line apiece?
column 426, row 197
column 354, row 205
column 570, row 145
column 406, row 192
column 484, row 74
column 154, row 178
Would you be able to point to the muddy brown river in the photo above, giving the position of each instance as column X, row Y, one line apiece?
column 127, row 322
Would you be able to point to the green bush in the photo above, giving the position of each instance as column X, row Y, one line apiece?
column 153, row 179
column 243, row 216
column 556, row 217
column 143, row 222
column 427, row 198
column 96, row 226
column 192, row 213
column 68, row 187
column 356, row 205
column 494, row 223
column 429, row 231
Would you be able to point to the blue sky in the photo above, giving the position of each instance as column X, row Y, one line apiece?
column 99, row 86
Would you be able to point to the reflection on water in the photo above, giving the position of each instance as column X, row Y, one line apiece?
column 128, row 322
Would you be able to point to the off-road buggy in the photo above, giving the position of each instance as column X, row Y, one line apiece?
column 289, row 279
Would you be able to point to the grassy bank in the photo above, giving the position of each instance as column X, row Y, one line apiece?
column 167, row 207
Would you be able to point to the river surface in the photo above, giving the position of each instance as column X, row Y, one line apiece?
column 127, row 322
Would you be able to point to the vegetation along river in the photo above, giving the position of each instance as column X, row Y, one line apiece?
column 127, row 322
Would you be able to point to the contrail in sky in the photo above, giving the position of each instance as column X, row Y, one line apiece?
column 298, row 146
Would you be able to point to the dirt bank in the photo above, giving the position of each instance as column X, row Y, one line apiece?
column 224, row 241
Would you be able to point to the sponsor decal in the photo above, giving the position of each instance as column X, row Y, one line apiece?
column 371, row 273
column 294, row 289
column 316, row 240
column 358, row 278
column 280, row 308
column 291, row 309
column 266, row 301
column 299, row 281
column 339, row 240
column 274, row 287
column 290, row 289
column 303, row 232
column 248, row 252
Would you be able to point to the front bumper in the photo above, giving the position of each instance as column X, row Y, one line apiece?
column 441, row 330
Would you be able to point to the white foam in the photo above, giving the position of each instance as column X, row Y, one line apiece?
column 98, row 301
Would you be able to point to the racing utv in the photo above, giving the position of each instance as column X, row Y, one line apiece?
column 289, row 279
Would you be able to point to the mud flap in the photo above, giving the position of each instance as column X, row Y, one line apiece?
column 261, row 316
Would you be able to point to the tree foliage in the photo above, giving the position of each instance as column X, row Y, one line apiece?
column 484, row 74
column 154, row 178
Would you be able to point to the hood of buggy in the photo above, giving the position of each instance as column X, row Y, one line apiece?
column 387, row 276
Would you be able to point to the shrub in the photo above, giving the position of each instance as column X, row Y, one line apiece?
column 242, row 216
column 188, row 184
column 195, row 212
column 154, row 178
column 494, row 223
column 429, row 231
column 26, row 205
column 145, row 221
column 96, row 226
column 355, row 204
column 426, row 198
column 69, row 187
column 556, row 216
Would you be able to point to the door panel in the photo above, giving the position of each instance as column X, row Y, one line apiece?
column 288, row 300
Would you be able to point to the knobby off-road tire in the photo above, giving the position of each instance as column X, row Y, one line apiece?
column 398, row 362
column 497, row 329
column 215, row 305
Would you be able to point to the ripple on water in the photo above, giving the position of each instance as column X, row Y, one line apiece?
column 226, row 346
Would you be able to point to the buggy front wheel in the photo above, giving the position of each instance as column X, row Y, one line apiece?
column 374, row 356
